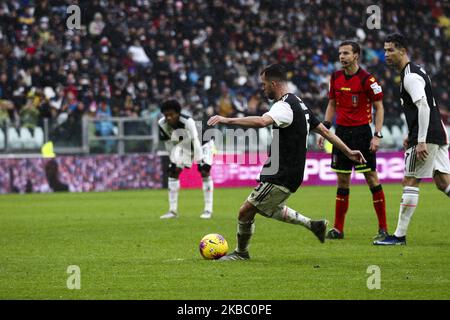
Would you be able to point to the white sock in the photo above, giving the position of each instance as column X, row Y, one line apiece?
column 291, row 216
column 447, row 191
column 410, row 199
column 208, row 188
column 174, row 187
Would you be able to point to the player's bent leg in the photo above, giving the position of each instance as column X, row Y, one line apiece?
column 208, row 189
column 245, row 230
column 441, row 174
column 341, row 208
column 379, row 202
column 442, row 181
column 371, row 178
column 343, row 180
column 270, row 201
column 410, row 199
column 317, row 227
column 174, row 187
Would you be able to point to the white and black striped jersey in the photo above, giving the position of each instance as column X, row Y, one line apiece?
column 184, row 134
column 293, row 122
column 414, row 82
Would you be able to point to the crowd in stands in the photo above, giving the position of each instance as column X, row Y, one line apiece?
column 128, row 56
column 81, row 174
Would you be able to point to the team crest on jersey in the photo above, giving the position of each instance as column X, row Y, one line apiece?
column 355, row 100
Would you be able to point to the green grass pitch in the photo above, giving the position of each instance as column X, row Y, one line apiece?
column 125, row 251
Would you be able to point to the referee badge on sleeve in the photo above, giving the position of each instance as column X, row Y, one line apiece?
column 376, row 88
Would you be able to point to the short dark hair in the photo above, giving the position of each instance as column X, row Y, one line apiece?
column 171, row 105
column 355, row 46
column 275, row 72
column 397, row 39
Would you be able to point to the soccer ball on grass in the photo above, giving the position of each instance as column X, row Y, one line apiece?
column 213, row 246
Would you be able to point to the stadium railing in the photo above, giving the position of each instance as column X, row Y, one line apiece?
column 123, row 135
column 140, row 135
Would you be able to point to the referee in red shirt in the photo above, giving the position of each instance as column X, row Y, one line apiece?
column 352, row 92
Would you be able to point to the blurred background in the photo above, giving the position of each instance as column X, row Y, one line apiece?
column 97, row 89
column 128, row 56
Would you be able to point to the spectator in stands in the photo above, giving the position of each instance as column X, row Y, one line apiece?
column 97, row 25
column 225, row 107
column 5, row 107
column 29, row 114
column 104, row 127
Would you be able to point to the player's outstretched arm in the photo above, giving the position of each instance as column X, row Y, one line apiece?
column 329, row 116
column 248, row 122
column 354, row 155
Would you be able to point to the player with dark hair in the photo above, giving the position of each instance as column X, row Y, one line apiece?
column 282, row 174
column 352, row 92
column 180, row 135
column 426, row 154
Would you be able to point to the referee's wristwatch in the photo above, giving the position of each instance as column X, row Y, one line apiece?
column 378, row 134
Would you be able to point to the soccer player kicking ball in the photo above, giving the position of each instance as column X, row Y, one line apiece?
column 282, row 174
column 180, row 135
column 426, row 154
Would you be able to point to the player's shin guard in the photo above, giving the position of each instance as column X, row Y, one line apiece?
column 208, row 188
column 410, row 199
column 342, row 201
column 291, row 216
column 245, row 231
column 174, row 187
column 447, row 191
column 379, row 203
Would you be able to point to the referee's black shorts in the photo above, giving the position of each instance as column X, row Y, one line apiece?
column 356, row 138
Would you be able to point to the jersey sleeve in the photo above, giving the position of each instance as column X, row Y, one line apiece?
column 414, row 84
column 191, row 129
column 373, row 89
column 331, row 92
column 193, row 135
column 163, row 135
column 281, row 113
column 313, row 121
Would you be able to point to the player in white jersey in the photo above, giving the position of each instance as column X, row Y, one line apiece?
column 427, row 144
column 182, row 142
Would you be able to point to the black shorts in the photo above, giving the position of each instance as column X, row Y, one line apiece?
column 202, row 168
column 356, row 138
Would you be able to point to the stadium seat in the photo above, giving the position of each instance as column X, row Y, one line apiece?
column 14, row 141
column 2, row 139
column 27, row 139
column 397, row 136
column 38, row 137
column 405, row 130
column 387, row 141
